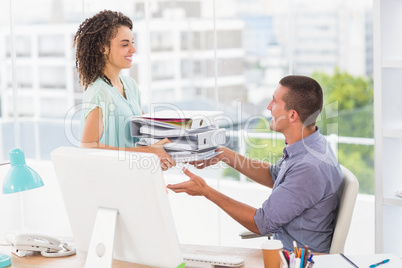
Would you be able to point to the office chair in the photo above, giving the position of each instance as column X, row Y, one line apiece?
column 347, row 194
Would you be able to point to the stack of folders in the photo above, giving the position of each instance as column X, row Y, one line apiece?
column 193, row 134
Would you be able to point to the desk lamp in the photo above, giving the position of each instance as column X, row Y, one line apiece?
column 19, row 178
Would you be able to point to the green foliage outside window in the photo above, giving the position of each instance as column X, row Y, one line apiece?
column 272, row 152
column 353, row 97
column 348, row 111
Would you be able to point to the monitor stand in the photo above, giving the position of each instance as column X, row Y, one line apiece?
column 100, row 252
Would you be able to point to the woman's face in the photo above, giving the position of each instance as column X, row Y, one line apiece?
column 121, row 49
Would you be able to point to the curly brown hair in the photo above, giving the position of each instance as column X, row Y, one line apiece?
column 91, row 38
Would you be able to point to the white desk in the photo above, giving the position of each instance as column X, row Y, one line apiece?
column 363, row 261
column 252, row 257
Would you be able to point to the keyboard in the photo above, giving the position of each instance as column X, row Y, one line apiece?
column 226, row 261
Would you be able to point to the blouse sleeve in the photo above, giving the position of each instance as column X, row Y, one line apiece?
column 94, row 97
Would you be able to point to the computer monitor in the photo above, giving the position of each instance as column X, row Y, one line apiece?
column 93, row 180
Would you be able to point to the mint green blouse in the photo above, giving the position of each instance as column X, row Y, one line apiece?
column 116, row 110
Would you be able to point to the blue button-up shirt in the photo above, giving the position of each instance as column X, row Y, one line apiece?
column 302, row 205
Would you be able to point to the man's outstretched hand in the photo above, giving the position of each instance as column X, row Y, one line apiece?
column 195, row 186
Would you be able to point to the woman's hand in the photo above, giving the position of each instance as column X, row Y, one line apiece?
column 157, row 148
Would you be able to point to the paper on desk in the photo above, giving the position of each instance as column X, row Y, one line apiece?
column 363, row 261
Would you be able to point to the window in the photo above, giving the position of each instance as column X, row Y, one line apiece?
column 200, row 55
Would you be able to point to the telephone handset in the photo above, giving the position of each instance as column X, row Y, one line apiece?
column 47, row 245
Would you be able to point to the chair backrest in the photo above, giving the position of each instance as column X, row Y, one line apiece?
column 347, row 194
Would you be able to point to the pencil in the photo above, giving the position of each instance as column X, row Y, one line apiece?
column 306, row 253
column 295, row 248
column 349, row 261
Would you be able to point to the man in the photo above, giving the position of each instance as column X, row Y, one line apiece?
column 302, row 205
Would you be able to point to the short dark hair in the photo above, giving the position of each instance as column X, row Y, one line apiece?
column 92, row 36
column 304, row 96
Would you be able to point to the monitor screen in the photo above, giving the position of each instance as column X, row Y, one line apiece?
column 131, row 183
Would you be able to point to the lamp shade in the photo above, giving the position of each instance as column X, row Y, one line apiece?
column 20, row 177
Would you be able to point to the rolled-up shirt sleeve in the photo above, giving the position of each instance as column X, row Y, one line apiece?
column 274, row 170
column 300, row 189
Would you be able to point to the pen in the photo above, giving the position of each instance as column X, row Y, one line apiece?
column 379, row 263
column 306, row 254
column 292, row 260
column 295, row 247
column 287, row 256
column 349, row 261
column 311, row 257
column 302, row 258
column 309, row 261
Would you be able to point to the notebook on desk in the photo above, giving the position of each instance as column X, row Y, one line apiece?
column 363, row 261
column 93, row 180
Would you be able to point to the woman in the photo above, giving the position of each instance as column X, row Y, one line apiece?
column 105, row 46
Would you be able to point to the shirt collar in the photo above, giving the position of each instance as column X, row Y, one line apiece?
column 299, row 146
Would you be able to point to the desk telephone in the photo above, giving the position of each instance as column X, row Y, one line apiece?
column 46, row 245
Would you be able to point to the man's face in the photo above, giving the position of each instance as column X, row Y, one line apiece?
column 279, row 121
